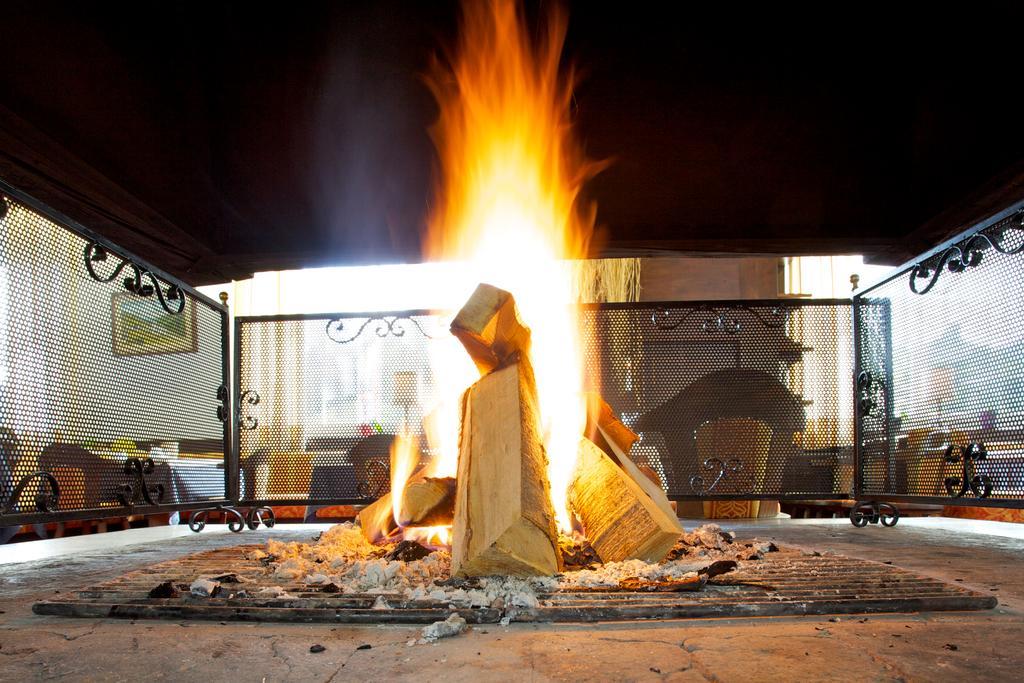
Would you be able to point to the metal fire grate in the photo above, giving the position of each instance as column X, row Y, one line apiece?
column 112, row 374
column 941, row 373
column 786, row 583
column 732, row 400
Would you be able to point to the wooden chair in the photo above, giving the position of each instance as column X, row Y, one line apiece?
column 747, row 441
column 730, row 393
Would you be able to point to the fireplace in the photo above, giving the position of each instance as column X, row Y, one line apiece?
column 887, row 398
column 540, row 472
column 800, row 399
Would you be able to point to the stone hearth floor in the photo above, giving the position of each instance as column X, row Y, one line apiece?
column 985, row 556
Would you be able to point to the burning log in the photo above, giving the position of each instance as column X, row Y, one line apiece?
column 490, row 329
column 414, row 500
column 377, row 520
column 601, row 420
column 504, row 521
column 427, row 501
column 625, row 514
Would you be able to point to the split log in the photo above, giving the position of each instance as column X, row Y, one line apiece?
column 377, row 520
column 601, row 421
column 624, row 514
column 490, row 328
column 650, row 486
column 427, row 501
column 504, row 521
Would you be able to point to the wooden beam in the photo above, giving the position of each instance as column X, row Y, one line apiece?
column 36, row 164
column 993, row 196
column 776, row 243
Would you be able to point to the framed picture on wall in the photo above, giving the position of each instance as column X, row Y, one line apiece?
column 141, row 327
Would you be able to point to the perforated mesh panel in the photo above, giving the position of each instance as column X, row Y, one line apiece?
column 944, row 369
column 732, row 400
column 93, row 375
column 762, row 389
column 322, row 397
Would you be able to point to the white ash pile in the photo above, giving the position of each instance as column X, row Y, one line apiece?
column 452, row 626
column 697, row 557
column 343, row 561
column 224, row 585
column 403, row 574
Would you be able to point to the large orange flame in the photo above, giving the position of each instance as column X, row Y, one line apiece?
column 405, row 456
column 507, row 205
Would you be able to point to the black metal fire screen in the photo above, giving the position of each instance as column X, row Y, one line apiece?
column 114, row 398
column 113, row 382
column 320, row 398
column 940, row 376
column 732, row 400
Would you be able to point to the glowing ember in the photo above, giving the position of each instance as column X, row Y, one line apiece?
column 430, row 536
column 507, row 206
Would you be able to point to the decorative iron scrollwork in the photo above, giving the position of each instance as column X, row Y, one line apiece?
column 261, row 514
column 172, row 300
column 132, row 492
column 866, row 512
column 386, row 325
column 222, row 409
column 774, row 318
column 871, row 392
column 961, row 257
column 248, row 422
column 865, row 403
column 44, row 501
column 721, row 324
column 660, row 318
column 723, row 470
column 979, row 484
column 234, row 518
column 235, row 521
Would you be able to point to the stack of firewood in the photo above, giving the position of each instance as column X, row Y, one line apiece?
column 503, row 519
